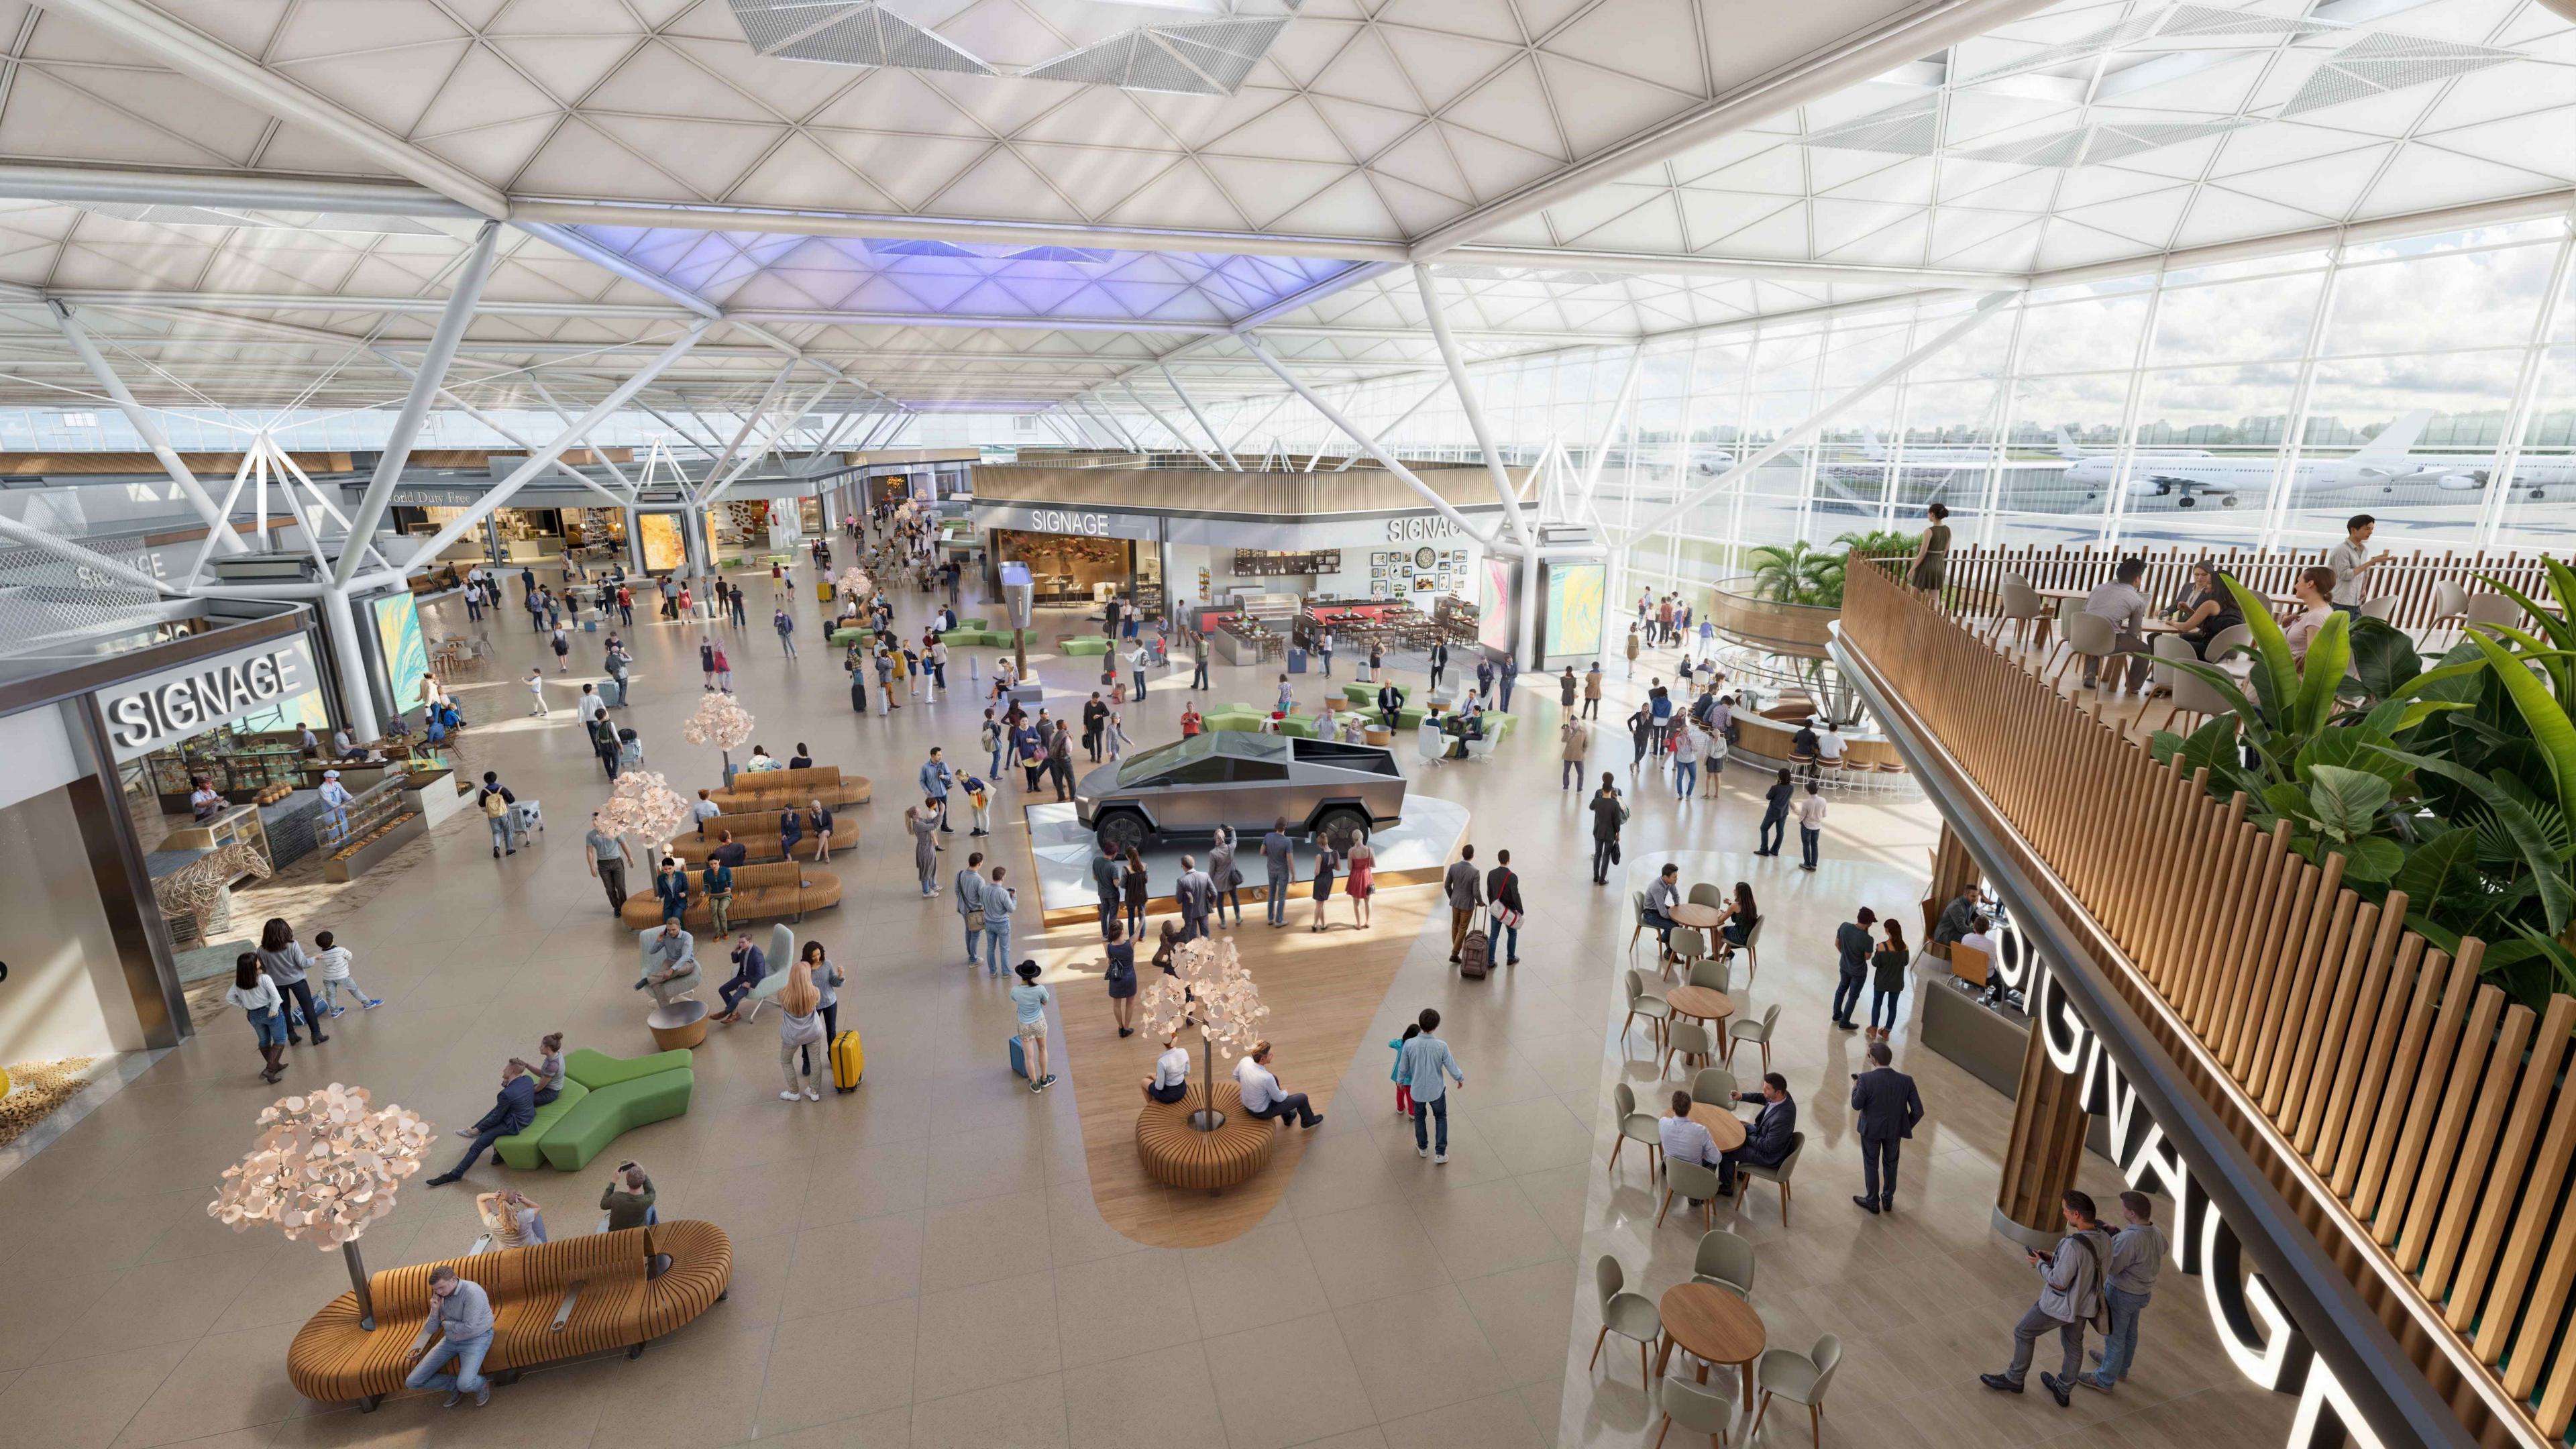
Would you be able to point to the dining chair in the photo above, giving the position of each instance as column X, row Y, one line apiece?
column 1688, row 1040
column 2494, row 609
column 2089, row 636
column 2450, row 611
column 1630, row 1315
column 1752, row 949
column 1654, row 1009
column 1637, row 913
column 1725, row 1259
column 1690, row 944
column 1801, row 1378
column 1714, row 1084
column 1779, row 1174
column 2383, row 608
column 2229, row 641
column 2067, row 609
column 1712, row 973
column 2021, row 605
column 1706, row 893
column 1756, row 1032
column 1698, row 1408
column 1693, row 1181
column 1634, row 1126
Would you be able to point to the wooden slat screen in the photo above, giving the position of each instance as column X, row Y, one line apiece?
column 1977, row 574
column 2437, row 1113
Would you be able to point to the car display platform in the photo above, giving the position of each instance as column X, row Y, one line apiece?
column 1410, row 854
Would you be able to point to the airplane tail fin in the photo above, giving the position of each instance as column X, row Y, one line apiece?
column 2397, row 439
column 1870, row 447
column 2066, row 445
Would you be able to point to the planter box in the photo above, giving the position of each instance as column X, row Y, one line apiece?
column 344, row 868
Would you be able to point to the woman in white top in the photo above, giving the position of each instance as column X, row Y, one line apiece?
column 2314, row 588
column 800, row 1025
column 1712, row 757
column 258, row 997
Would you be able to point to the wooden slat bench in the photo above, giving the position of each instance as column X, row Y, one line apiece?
column 1176, row 1153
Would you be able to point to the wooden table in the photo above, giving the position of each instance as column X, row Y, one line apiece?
column 1705, row 918
column 1705, row 1003
column 1713, row 1324
column 1724, row 1127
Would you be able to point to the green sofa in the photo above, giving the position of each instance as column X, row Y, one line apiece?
column 1081, row 645
column 962, row 636
column 1364, row 696
column 844, row 638
column 1235, row 717
column 603, row 1098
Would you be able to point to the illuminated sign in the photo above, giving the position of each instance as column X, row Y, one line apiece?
column 2267, row 1346
column 1421, row 526
column 1057, row 520
column 145, row 713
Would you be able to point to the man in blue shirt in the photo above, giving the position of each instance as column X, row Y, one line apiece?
column 718, row 880
column 936, row 777
column 750, row 964
column 513, row 1108
column 1420, row 1066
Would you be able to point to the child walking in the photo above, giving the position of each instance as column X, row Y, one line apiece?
column 332, row 960
column 1395, row 1074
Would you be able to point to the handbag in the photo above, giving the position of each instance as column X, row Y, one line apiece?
column 975, row 921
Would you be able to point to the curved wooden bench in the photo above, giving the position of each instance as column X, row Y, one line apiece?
column 760, row 893
column 619, row 1305
column 1180, row 1155
column 755, row 792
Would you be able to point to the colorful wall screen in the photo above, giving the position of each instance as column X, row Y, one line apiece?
column 406, row 655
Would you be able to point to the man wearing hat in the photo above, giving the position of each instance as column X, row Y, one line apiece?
column 335, row 805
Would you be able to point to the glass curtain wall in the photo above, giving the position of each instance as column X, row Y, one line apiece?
column 2231, row 403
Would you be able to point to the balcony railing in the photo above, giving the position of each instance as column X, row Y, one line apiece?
column 2414, row 1117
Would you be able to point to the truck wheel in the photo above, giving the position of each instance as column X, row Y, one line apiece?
column 1341, row 820
column 1120, row 833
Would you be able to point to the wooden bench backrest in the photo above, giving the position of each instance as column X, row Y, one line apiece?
column 788, row 782
column 1968, row 963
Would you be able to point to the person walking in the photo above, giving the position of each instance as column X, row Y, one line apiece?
column 1464, row 889
column 1568, row 689
column 1811, row 826
column 258, row 997
column 625, row 607
column 1885, row 1108
column 1029, row 1000
column 1324, row 650
column 1060, row 761
column 604, row 743
column 1887, row 969
column 1136, row 663
column 1711, row 746
column 1137, row 892
column 1641, row 738
column 1503, row 892
column 1279, row 858
column 1852, row 947
column 970, row 901
column 1328, row 861
column 990, row 736
column 2070, row 1296
column 1609, row 812
column 1118, row 973
column 1420, row 1068
column 1106, row 871
column 1775, row 814
column 1198, row 660
column 618, row 664
column 331, row 959
column 2137, row 1256
column 1228, row 879
column 1685, row 764
column 1510, row 676
column 561, row 643
column 998, row 901
column 724, row 670
column 1575, row 739
column 828, row 981
column 1439, row 662
column 1592, row 691
column 609, row 858
column 1361, row 885
column 921, row 822
column 707, row 663
column 785, row 624
column 1633, row 645
column 1094, row 715
column 285, row 963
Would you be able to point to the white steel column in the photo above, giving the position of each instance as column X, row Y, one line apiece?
column 2526, row 390
column 1139, row 400
column 565, row 418
column 1204, row 426
column 148, row 427
column 544, row 457
column 1815, row 422
column 750, row 460
column 2124, row 457
column 1118, row 436
column 2285, row 468
column 1429, row 291
column 1245, row 438
column 496, row 425
column 415, row 409
column 750, row 420
column 357, row 701
column 1258, row 348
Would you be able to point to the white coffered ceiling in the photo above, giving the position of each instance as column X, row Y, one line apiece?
column 944, row 198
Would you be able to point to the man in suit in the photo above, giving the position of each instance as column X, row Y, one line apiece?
column 1439, row 663
column 1766, row 1139
column 1390, row 704
column 1106, row 872
column 1195, row 894
column 513, row 1108
column 1885, row 1108
column 1852, row 944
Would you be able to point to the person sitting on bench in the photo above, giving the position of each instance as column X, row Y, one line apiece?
column 1171, row 1079
column 1262, row 1097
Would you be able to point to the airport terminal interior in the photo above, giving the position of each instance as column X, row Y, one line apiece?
column 1363, row 724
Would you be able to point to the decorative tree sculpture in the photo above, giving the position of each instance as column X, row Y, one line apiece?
column 721, row 721
column 326, row 1167
column 645, row 806
column 855, row 583
column 1209, row 989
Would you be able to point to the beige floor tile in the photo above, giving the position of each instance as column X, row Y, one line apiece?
column 884, row 1429
column 170, row 1302
column 1287, row 1383
column 866, row 1181
column 1420, row 1351
column 850, row 1264
column 1264, row 1277
column 228, row 1381
column 1075, row 1232
column 1119, row 1306
column 1525, row 1314
column 1485, row 1229
column 834, row 1365
column 986, row 1162
column 1368, row 1438
column 84, row 1403
column 39, row 1300
column 1160, row 1400
column 1028, row 1414
column 1496, row 1421
column 703, row 1391
column 991, row 1333
column 977, row 1241
column 1371, row 1252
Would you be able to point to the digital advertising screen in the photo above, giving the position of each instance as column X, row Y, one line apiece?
column 1494, row 598
column 664, row 553
column 1574, row 607
column 406, row 654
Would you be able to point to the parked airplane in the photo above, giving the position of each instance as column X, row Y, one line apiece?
column 2381, row 461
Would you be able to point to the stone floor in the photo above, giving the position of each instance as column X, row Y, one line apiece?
column 921, row 1262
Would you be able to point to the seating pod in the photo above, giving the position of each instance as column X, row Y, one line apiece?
column 963, row 637
column 1081, row 646
column 1234, row 717
column 1172, row 1151
column 756, row 833
column 603, row 1098
column 526, row 1150
column 615, row 1301
column 754, row 791
column 760, row 893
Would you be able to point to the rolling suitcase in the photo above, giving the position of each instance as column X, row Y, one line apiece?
column 1476, row 952
column 1019, row 1059
column 849, row 1059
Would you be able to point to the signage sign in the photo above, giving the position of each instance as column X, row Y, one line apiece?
column 1421, row 526
column 145, row 714
column 1071, row 522
column 423, row 495
column 2268, row 1347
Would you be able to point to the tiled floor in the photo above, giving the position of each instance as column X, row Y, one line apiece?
column 920, row 1263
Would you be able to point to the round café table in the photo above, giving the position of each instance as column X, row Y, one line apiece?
column 1724, row 1127
column 1713, row 1324
column 1707, row 1003
column 1703, row 917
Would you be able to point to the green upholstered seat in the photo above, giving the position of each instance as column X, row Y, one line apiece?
column 1235, row 717
column 1301, row 725
column 1498, row 725
column 1365, row 695
column 1085, row 644
column 844, row 638
column 962, row 637
column 975, row 623
column 525, row 1150
column 610, row 1112
column 598, row 1069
